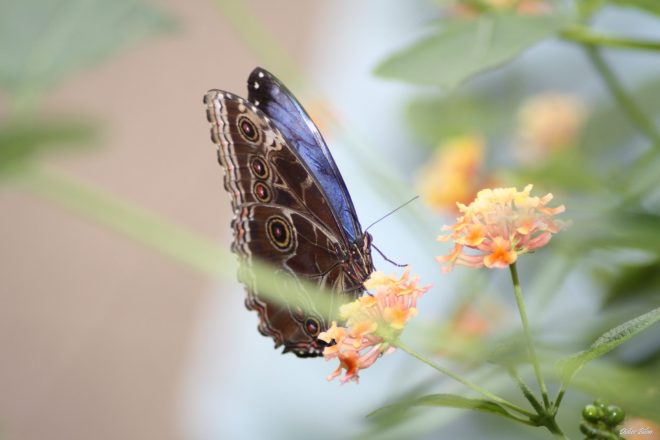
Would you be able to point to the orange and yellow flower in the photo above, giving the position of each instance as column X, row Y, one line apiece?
column 372, row 323
column 548, row 123
column 453, row 172
column 500, row 224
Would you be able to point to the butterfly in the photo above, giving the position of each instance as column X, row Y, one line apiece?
column 291, row 208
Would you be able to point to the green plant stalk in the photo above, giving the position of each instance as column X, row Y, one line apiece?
column 560, row 397
column 465, row 381
column 144, row 227
column 528, row 335
column 635, row 114
column 582, row 35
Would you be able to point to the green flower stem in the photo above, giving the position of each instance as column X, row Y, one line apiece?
column 528, row 335
column 635, row 114
column 583, row 35
column 464, row 381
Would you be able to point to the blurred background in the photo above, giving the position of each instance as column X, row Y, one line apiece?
column 119, row 313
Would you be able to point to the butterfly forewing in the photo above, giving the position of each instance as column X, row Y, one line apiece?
column 300, row 132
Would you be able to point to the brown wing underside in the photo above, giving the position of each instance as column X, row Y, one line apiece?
column 280, row 217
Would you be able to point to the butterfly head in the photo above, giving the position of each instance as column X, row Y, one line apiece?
column 359, row 261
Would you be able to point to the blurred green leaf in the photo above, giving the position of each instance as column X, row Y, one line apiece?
column 651, row 6
column 395, row 418
column 21, row 142
column 629, row 230
column 43, row 41
column 632, row 282
column 463, row 48
column 568, row 367
column 440, row 400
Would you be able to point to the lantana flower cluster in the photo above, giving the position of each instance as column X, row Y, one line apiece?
column 372, row 323
column 547, row 124
column 453, row 173
column 500, row 224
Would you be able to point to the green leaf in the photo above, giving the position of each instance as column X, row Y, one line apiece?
column 440, row 400
column 43, row 41
column 463, row 48
column 21, row 142
column 611, row 339
column 651, row 6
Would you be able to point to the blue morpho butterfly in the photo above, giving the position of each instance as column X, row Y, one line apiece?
column 291, row 206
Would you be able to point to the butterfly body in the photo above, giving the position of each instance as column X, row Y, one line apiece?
column 291, row 207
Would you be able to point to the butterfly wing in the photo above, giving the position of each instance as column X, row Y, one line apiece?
column 282, row 216
column 273, row 98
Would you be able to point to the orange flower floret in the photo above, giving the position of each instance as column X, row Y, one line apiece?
column 548, row 123
column 501, row 255
column 372, row 321
column 500, row 225
column 453, row 172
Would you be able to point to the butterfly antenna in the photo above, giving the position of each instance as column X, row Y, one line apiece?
column 387, row 259
column 384, row 217
column 390, row 213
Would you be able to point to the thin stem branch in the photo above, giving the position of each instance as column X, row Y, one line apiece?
column 528, row 335
column 635, row 114
column 585, row 36
column 464, row 381
column 526, row 391
column 559, row 398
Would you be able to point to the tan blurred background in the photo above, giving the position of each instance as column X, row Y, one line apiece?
column 96, row 330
